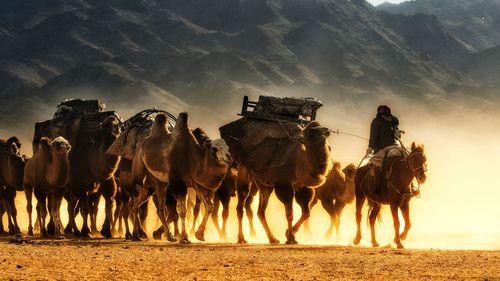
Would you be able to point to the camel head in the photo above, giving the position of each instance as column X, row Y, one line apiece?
column 13, row 146
column 315, row 133
column 181, row 123
column 418, row 162
column 217, row 158
column 111, row 126
column 349, row 172
column 60, row 145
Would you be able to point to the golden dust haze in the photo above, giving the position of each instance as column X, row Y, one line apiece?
column 459, row 207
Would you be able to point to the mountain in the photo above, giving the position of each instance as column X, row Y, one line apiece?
column 475, row 22
column 209, row 53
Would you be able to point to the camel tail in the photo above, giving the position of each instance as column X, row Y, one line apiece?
column 370, row 208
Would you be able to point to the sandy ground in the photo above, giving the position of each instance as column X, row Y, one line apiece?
column 117, row 259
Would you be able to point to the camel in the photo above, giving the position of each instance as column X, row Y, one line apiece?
column 337, row 191
column 92, row 171
column 305, row 169
column 397, row 191
column 47, row 174
column 177, row 160
column 11, row 180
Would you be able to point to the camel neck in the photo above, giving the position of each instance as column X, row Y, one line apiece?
column 58, row 169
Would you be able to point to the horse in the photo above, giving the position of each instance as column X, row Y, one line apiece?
column 397, row 191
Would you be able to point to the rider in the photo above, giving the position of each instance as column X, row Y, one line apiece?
column 383, row 133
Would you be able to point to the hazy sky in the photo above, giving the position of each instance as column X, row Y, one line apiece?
column 376, row 2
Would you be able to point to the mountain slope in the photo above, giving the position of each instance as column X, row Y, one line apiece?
column 475, row 22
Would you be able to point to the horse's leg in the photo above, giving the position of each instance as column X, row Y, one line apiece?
column 395, row 218
column 327, row 204
column 374, row 212
column 182, row 211
column 360, row 201
column 303, row 197
column 264, row 194
column 196, row 212
column 206, row 197
column 405, row 209
column 242, row 197
column 215, row 215
column 338, row 208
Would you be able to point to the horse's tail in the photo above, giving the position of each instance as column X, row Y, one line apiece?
column 370, row 208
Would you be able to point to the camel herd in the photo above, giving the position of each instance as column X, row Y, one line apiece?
column 169, row 164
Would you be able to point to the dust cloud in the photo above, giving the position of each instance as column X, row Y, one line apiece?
column 458, row 208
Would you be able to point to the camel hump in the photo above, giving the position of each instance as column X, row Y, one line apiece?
column 336, row 165
column 183, row 117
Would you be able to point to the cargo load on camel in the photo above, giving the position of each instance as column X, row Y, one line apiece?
column 268, row 134
column 135, row 130
column 74, row 119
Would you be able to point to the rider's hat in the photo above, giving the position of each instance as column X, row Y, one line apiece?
column 384, row 109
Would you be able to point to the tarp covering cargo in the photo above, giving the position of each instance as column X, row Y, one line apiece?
column 262, row 144
column 73, row 119
column 135, row 130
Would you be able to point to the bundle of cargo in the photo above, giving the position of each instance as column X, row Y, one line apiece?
column 135, row 130
column 73, row 119
column 299, row 110
column 266, row 136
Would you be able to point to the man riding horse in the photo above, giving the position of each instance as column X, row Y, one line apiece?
column 384, row 133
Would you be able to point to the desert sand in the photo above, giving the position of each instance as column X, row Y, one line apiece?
column 116, row 259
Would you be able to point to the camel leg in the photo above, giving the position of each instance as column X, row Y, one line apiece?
column 108, row 191
column 85, row 210
column 182, row 210
column 138, row 200
column 242, row 197
column 196, row 212
column 307, row 230
column 303, row 197
column 395, row 218
column 338, row 207
column 360, row 201
column 126, row 216
column 207, row 197
column 225, row 215
column 143, row 214
column 285, row 195
column 13, row 211
column 161, row 196
column 94, row 200
column 375, row 210
column 51, row 227
column 72, row 211
column 42, row 213
column 215, row 215
column 117, row 217
column 264, row 194
column 249, row 212
column 327, row 204
column 2, row 212
column 55, row 206
column 405, row 209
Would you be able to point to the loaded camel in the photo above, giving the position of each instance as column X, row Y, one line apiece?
column 337, row 191
column 176, row 160
column 11, row 180
column 305, row 169
column 47, row 174
column 92, row 170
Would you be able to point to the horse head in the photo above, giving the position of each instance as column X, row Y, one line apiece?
column 417, row 160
